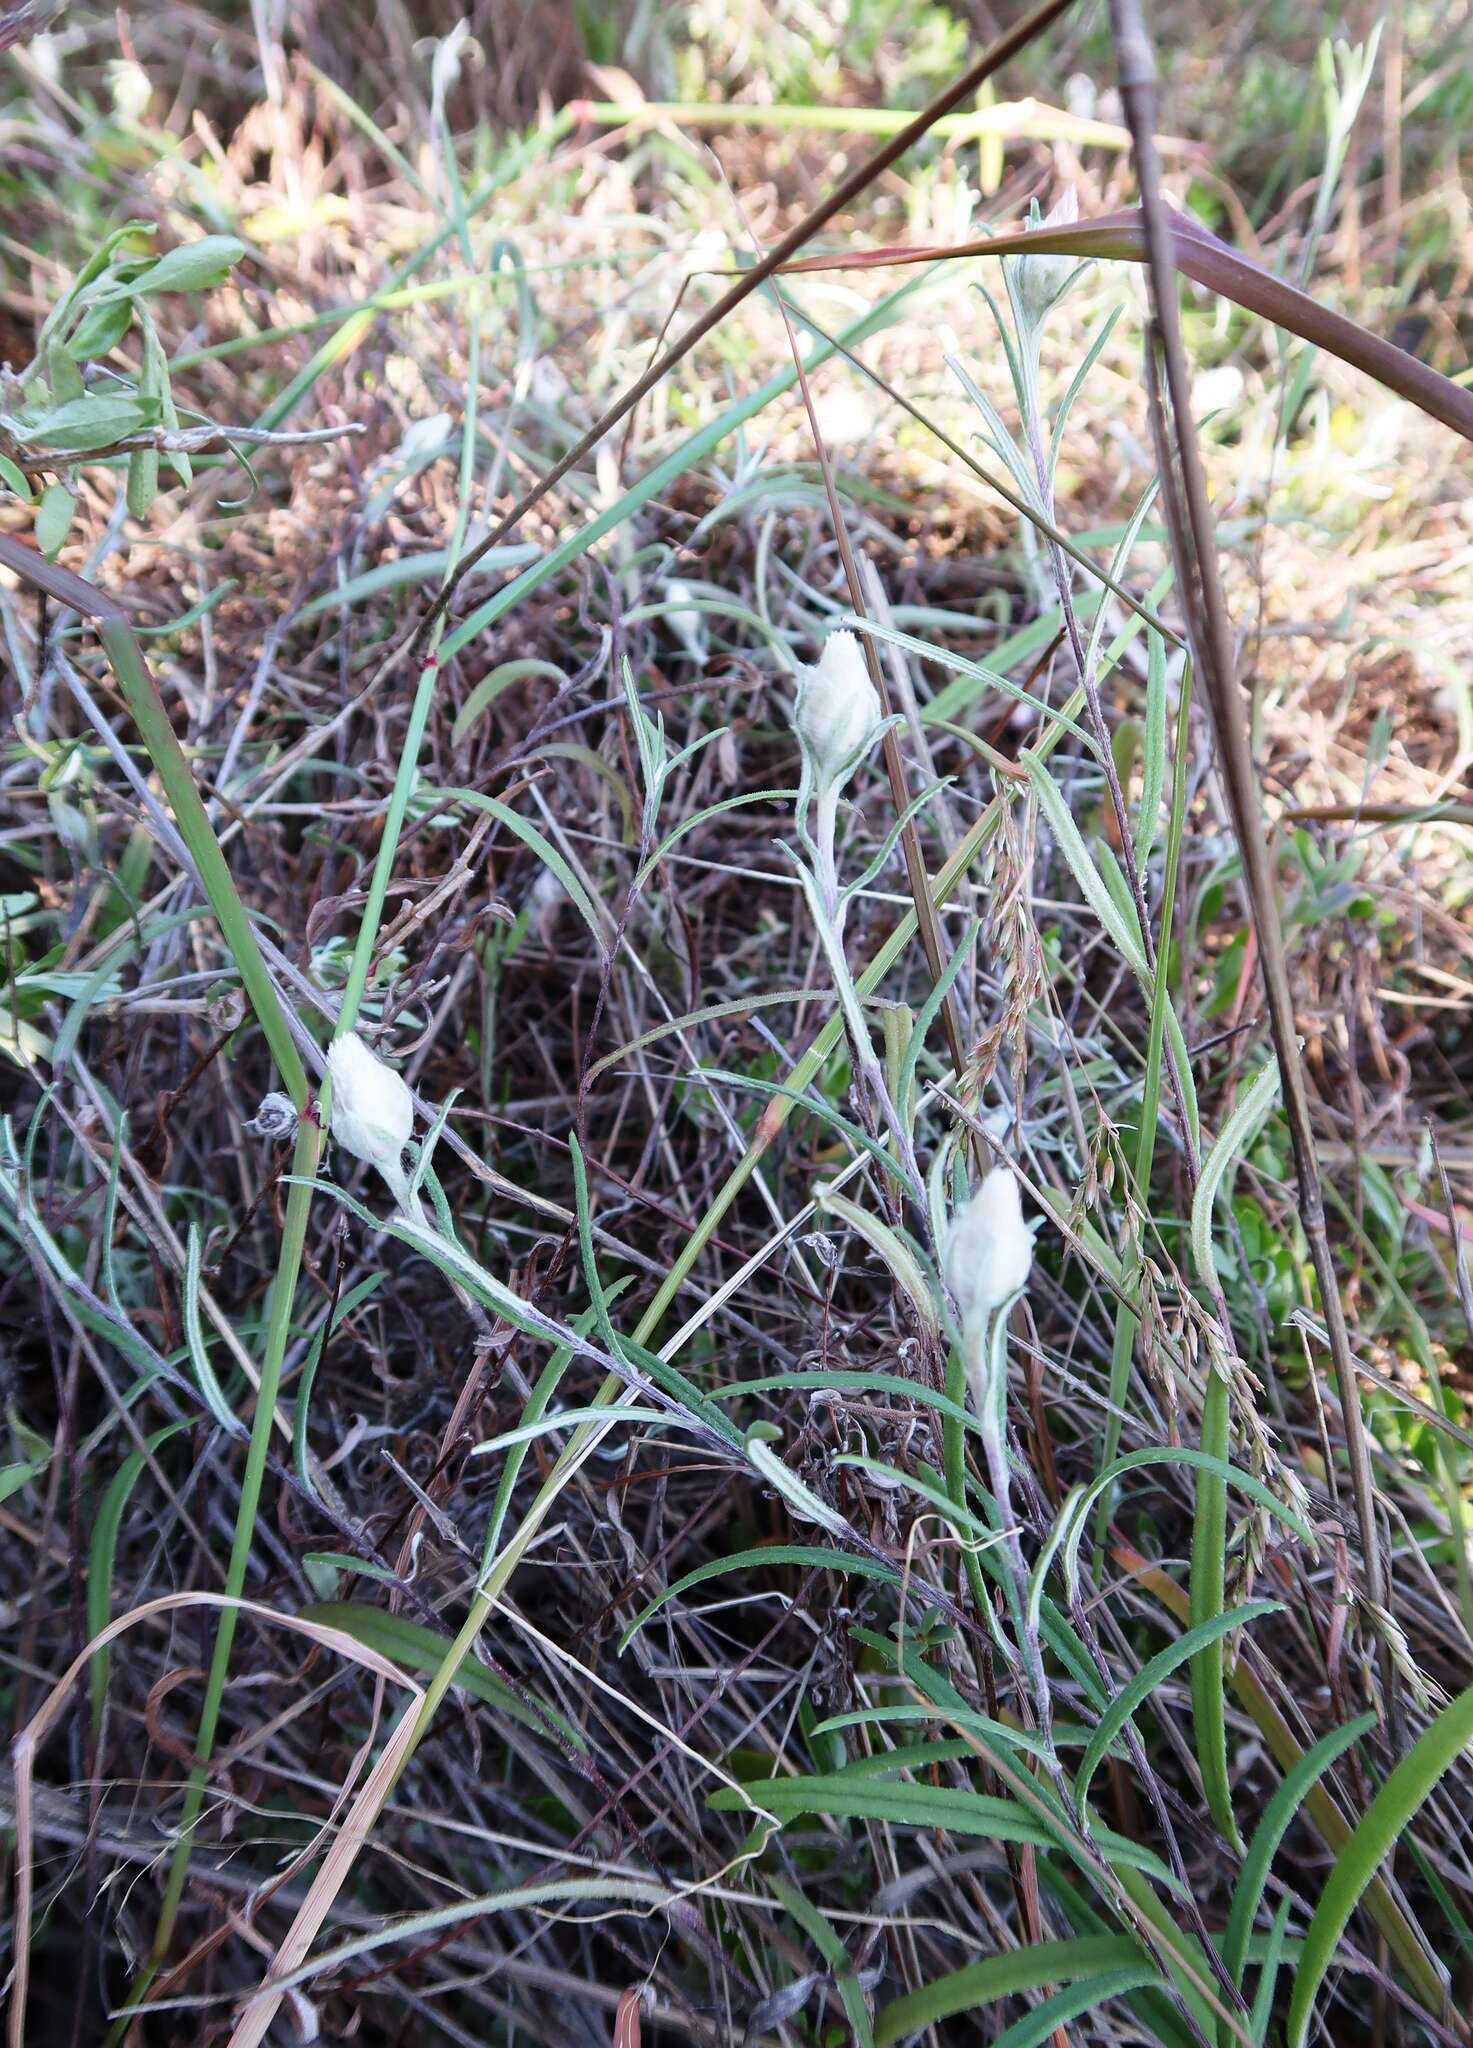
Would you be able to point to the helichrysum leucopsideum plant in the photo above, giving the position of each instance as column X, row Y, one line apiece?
column 988, row 1255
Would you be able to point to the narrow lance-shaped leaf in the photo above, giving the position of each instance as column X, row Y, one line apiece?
column 1392, row 1810
column 906, row 1266
column 1277, row 1817
column 1001, row 1976
column 1148, row 1677
column 1236, row 1134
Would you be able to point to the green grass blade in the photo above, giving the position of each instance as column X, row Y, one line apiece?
column 1152, row 1674
column 1209, row 1571
column 834, row 1953
column 1127, row 1324
column 837, row 1796
column 1044, row 2021
column 302, row 1407
column 1024, row 1969
column 809, row 1554
column 1277, row 1817
column 1268, row 1976
column 908, row 1269
column 405, row 572
column 103, row 1550
column 146, row 707
column 1434, row 1753
column 194, row 1337
column 1236, row 1135
column 1092, row 884
column 1153, row 758
column 521, row 828
column 419, row 1649
column 1067, row 1538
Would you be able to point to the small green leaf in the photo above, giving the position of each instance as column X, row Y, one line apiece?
column 143, row 480
column 1235, row 1136
column 14, row 1477
column 54, row 519
column 103, row 1550
column 1153, row 754
column 193, row 266
column 94, row 421
column 194, row 1337
column 101, row 328
column 535, row 841
column 12, row 475
column 804, row 1503
column 322, row 1567
column 1123, row 929
column 907, row 1268
column 63, row 375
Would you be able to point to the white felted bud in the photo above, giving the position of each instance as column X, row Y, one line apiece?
column 372, row 1112
column 989, row 1252
column 1039, row 280
column 838, row 713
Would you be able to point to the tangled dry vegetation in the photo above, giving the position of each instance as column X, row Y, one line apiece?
column 783, row 1698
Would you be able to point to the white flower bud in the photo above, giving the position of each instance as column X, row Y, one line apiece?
column 989, row 1252
column 131, row 90
column 1039, row 280
column 372, row 1112
column 838, row 713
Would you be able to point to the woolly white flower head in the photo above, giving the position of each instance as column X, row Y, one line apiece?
column 838, row 713
column 989, row 1251
column 372, row 1112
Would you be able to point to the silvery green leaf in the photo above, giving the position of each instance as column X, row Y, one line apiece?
column 54, row 518
column 193, row 266
column 93, row 421
column 101, row 328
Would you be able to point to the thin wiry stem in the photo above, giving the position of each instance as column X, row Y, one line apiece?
column 1194, row 548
